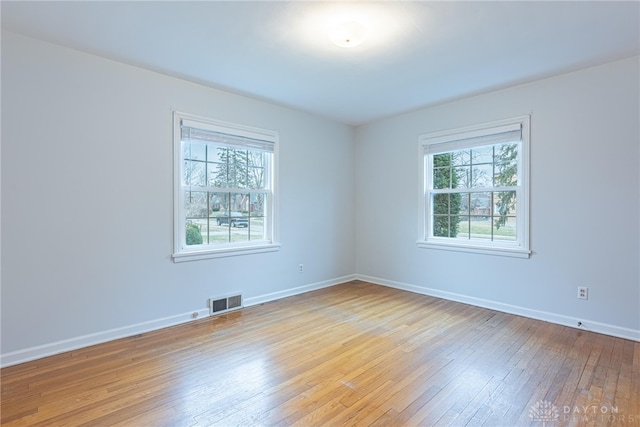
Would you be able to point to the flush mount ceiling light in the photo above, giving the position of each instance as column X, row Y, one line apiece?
column 365, row 26
column 348, row 34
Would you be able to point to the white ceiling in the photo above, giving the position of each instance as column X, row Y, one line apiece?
column 417, row 53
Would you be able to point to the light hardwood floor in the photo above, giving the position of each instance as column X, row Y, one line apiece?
column 354, row 354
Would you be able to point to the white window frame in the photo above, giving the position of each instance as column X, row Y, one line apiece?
column 451, row 140
column 183, row 252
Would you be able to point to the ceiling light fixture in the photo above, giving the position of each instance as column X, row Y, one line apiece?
column 348, row 34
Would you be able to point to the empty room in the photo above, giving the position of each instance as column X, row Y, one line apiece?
column 320, row 213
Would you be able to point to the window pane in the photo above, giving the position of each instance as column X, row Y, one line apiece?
column 506, row 159
column 442, row 177
column 217, row 166
column 195, row 204
column 219, row 230
column 450, row 204
column 442, row 226
column 461, row 158
column 239, row 234
column 218, row 202
column 480, row 227
column 480, row 204
column 256, row 178
column 194, row 232
column 442, row 170
column 257, row 161
column 194, row 151
column 228, row 169
column 506, row 174
column 193, row 173
column 461, row 177
column 217, row 174
column 186, row 172
column 237, row 174
column 258, row 204
column 505, row 230
column 239, row 202
column 482, row 176
column 482, row 155
column 256, row 229
column 445, row 214
column 198, row 151
column 480, row 216
column 456, row 204
column 463, row 228
column 441, row 204
column 506, row 152
column 440, row 160
column 504, row 203
column 464, row 204
column 504, row 220
column 186, row 150
column 214, row 152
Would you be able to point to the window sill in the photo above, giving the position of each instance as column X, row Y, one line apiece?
column 478, row 249
column 225, row 252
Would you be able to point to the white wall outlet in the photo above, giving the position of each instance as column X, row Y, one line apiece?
column 301, row 268
column 583, row 292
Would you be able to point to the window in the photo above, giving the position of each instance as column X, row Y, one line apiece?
column 475, row 194
column 224, row 181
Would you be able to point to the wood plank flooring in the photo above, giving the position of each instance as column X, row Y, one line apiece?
column 353, row 354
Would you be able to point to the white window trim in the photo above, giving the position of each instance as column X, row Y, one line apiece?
column 199, row 252
column 521, row 249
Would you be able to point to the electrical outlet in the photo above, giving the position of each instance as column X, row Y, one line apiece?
column 583, row 292
column 301, row 268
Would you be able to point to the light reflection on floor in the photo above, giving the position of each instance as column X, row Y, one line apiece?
column 213, row 393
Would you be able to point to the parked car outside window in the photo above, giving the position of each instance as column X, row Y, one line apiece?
column 236, row 218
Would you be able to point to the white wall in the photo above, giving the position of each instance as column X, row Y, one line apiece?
column 87, row 201
column 584, row 202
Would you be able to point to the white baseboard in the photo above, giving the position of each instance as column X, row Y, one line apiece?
column 559, row 319
column 295, row 291
column 20, row 356
column 38, row 352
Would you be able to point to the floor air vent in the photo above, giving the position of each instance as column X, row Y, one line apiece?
column 224, row 304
